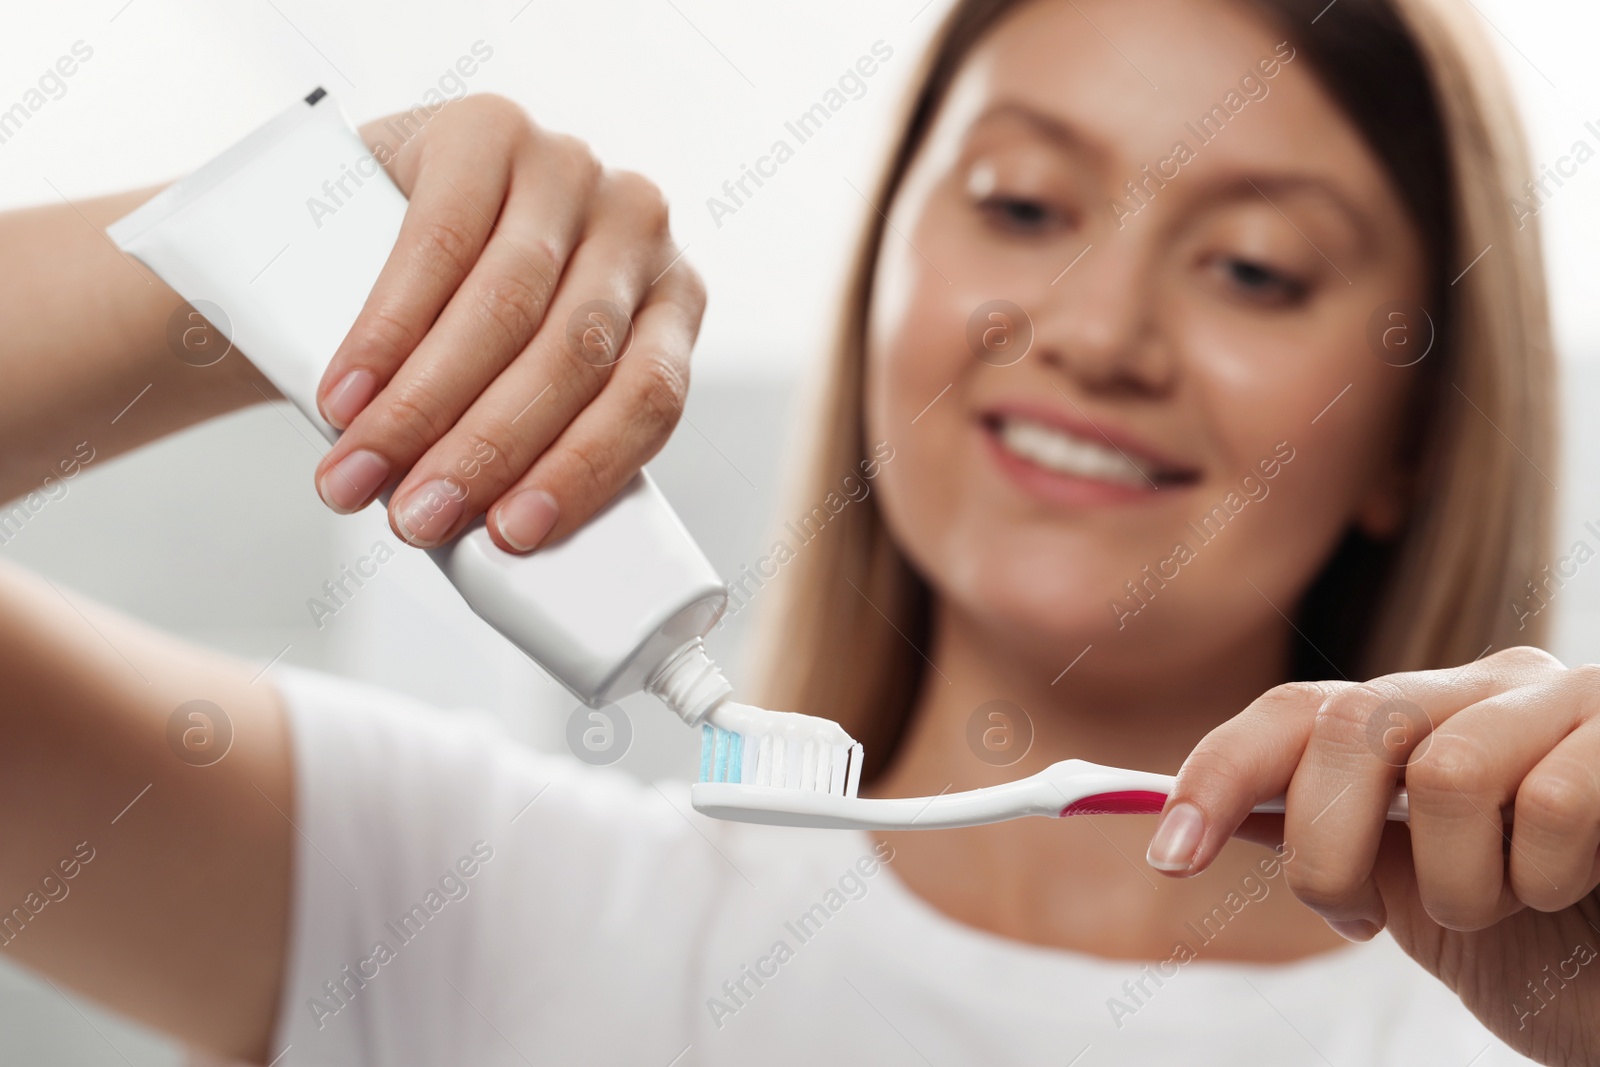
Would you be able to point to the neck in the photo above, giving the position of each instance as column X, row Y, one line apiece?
column 1082, row 883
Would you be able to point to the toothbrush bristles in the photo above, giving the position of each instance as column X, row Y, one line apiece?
column 771, row 760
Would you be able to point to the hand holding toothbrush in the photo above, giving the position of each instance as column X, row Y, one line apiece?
column 1491, row 887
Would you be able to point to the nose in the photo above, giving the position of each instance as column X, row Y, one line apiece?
column 1100, row 321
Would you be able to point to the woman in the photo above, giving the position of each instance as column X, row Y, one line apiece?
column 1189, row 463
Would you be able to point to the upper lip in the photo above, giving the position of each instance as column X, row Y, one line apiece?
column 1159, row 465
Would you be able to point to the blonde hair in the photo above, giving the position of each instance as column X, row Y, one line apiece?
column 844, row 634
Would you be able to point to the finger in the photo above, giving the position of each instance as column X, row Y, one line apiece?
column 1253, row 756
column 1555, row 841
column 1340, row 793
column 1555, row 848
column 1246, row 760
column 489, row 319
column 524, row 410
column 440, row 238
column 618, row 433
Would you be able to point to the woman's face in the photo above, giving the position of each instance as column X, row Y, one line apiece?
column 1199, row 415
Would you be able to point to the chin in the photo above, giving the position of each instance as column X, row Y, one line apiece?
column 1047, row 592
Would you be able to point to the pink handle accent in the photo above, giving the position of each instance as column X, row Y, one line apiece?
column 1149, row 802
column 1124, row 802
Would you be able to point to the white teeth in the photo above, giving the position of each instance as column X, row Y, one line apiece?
column 1059, row 451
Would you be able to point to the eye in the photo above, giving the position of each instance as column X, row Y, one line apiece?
column 1260, row 283
column 1022, row 215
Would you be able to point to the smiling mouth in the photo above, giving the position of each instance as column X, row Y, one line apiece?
column 1060, row 452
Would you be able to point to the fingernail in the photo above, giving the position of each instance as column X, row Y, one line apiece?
column 1177, row 838
column 527, row 518
column 429, row 512
column 345, row 400
column 1354, row 929
column 351, row 482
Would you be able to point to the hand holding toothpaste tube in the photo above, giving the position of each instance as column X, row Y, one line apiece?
column 526, row 348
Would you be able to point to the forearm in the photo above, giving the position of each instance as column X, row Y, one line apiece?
column 178, row 918
column 86, row 333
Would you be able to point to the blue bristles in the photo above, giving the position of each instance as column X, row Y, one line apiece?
column 721, row 754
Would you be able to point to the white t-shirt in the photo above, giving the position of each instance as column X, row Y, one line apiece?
column 460, row 899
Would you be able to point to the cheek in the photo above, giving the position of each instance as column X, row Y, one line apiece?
column 919, row 376
column 1317, row 395
column 916, row 368
column 1256, row 379
column 911, row 359
column 1314, row 386
column 908, row 368
column 916, row 327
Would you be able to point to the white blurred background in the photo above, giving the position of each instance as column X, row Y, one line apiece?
column 217, row 534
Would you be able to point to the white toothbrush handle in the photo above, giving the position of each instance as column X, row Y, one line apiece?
column 1071, row 787
column 1399, row 806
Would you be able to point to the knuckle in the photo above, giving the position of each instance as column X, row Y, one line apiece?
column 1558, row 800
column 1350, row 712
column 599, row 335
column 578, row 156
column 544, row 258
column 493, row 108
column 1586, row 678
column 1449, row 764
column 1292, row 697
column 1214, row 761
column 515, row 305
column 642, row 198
column 448, row 238
column 385, row 333
column 477, row 451
column 1526, row 657
column 661, row 393
column 694, row 290
column 455, row 109
column 414, row 417
column 694, row 281
column 589, row 467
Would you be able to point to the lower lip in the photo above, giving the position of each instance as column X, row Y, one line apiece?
column 1068, row 489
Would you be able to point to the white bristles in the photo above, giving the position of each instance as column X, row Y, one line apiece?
column 752, row 746
column 762, row 771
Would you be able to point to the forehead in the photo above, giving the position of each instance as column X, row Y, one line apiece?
column 1131, row 78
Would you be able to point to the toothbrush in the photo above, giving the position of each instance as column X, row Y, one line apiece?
column 728, row 790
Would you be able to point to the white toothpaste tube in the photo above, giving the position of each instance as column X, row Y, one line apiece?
column 618, row 606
